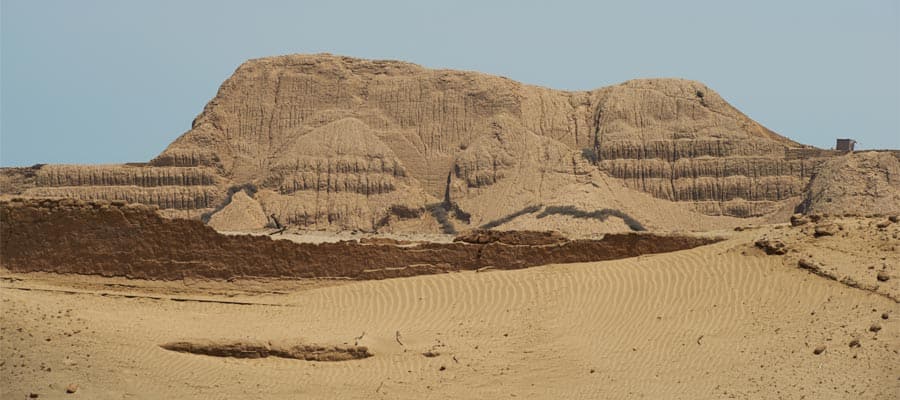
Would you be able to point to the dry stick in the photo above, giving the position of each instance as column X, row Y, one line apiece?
column 358, row 338
column 379, row 387
column 698, row 339
column 398, row 338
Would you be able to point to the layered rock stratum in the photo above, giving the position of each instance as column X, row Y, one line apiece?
column 339, row 143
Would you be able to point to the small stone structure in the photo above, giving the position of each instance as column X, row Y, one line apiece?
column 845, row 145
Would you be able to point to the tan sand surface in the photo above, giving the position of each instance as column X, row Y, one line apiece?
column 718, row 321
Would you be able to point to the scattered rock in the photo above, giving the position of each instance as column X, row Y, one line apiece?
column 855, row 343
column 431, row 354
column 799, row 219
column 883, row 276
column 772, row 246
column 819, row 350
column 894, row 218
column 875, row 327
column 825, row 230
column 885, row 315
column 817, row 269
column 442, row 368
column 883, row 224
column 72, row 388
column 32, row 395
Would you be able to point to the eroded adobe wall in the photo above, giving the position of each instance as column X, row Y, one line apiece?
column 118, row 239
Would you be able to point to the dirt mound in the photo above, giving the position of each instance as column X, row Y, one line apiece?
column 256, row 349
column 69, row 236
column 857, row 183
column 243, row 213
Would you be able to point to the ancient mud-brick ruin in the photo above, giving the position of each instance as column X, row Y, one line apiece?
column 128, row 240
column 336, row 143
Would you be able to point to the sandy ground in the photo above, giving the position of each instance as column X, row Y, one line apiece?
column 720, row 321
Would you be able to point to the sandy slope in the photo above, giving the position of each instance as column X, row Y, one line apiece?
column 721, row 321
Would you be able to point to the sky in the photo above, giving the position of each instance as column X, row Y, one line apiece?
column 116, row 81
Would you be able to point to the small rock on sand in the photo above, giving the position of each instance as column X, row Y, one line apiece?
column 875, row 327
column 819, row 350
column 885, row 315
column 799, row 219
column 72, row 388
column 854, row 343
column 883, row 276
column 826, row 230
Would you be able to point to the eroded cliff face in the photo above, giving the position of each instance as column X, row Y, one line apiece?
column 193, row 190
column 865, row 183
column 678, row 140
column 338, row 143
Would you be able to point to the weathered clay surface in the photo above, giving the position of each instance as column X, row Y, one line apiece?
column 518, row 238
column 859, row 183
column 115, row 239
column 242, row 213
column 341, row 143
column 165, row 187
column 460, row 133
column 15, row 180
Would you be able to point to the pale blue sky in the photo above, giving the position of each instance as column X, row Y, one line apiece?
column 113, row 81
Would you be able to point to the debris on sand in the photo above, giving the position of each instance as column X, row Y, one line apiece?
column 772, row 246
column 825, row 230
column 799, row 219
column 252, row 349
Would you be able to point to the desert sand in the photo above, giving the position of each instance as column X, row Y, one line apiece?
column 719, row 321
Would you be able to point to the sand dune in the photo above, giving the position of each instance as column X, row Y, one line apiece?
column 718, row 321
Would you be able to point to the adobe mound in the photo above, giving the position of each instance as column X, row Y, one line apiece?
column 339, row 143
column 241, row 214
column 857, row 183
